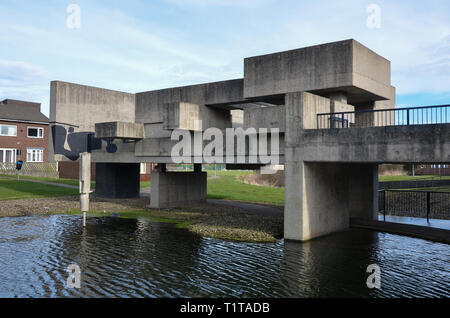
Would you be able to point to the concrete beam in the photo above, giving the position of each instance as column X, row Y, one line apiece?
column 119, row 130
column 396, row 145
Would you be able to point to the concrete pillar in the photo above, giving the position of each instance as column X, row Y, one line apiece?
column 176, row 189
column 320, row 198
column 85, row 180
column 117, row 180
column 340, row 97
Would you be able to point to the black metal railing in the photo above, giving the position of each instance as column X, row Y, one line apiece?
column 427, row 115
column 414, row 203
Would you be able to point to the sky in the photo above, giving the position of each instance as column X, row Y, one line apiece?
column 136, row 46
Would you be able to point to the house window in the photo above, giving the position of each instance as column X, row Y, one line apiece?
column 35, row 155
column 7, row 155
column 8, row 130
column 143, row 168
column 35, row 132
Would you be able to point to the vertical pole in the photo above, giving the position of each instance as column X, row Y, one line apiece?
column 384, row 205
column 85, row 183
column 428, row 206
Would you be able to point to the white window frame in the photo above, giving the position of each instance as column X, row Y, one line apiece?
column 3, row 158
column 143, row 168
column 39, row 154
column 38, row 129
column 15, row 126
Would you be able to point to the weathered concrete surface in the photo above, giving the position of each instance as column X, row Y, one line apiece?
column 117, row 180
column 74, row 111
column 399, row 144
column 183, row 115
column 345, row 66
column 150, row 105
column 174, row 189
column 265, row 117
column 119, row 130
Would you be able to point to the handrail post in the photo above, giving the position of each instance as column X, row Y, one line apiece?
column 407, row 117
column 384, row 205
column 428, row 206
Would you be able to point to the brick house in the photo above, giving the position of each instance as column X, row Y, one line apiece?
column 24, row 132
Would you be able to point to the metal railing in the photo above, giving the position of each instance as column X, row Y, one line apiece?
column 414, row 203
column 426, row 115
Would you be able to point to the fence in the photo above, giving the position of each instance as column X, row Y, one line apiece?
column 414, row 203
column 385, row 117
column 32, row 169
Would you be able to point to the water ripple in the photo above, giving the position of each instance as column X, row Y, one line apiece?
column 139, row 258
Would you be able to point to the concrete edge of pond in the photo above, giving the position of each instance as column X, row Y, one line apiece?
column 418, row 231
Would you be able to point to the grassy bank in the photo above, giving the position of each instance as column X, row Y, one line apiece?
column 226, row 223
column 72, row 182
column 411, row 178
column 11, row 189
column 227, row 186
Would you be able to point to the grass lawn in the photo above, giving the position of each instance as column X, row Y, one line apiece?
column 229, row 187
column 431, row 189
column 144, row 184
column 410, row 178
column 11, row 189
column 54, row 180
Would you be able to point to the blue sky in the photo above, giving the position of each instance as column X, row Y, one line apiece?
column 136, row 46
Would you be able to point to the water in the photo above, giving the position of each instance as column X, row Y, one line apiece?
column 139, row 258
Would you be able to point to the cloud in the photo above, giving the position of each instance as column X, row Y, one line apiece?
column 19, row 79
column 140, row 46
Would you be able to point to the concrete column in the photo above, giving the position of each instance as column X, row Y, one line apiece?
column 176, row 189
column 117, row 180
column 340, row 97
column 320, row 198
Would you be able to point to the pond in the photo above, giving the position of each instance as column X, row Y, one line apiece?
column 140, row 258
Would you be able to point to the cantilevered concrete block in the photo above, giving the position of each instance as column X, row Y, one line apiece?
column 265, row 117
column 345, row 66
column 183, row 115
column 150, row 105
column 119, row 130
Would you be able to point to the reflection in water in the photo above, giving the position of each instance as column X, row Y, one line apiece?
column 139, row 258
